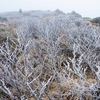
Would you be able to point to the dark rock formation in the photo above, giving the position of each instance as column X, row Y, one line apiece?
column 20, row 10
column 96, row 20
column 59, row 11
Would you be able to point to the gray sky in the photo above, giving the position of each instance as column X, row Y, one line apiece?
column 87, row 8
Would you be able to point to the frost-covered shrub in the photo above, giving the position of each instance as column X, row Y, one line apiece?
column 52, row 58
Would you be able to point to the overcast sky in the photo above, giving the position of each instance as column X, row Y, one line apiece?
column 87, row 8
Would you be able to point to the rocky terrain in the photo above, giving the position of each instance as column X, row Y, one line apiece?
column 47, row 55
